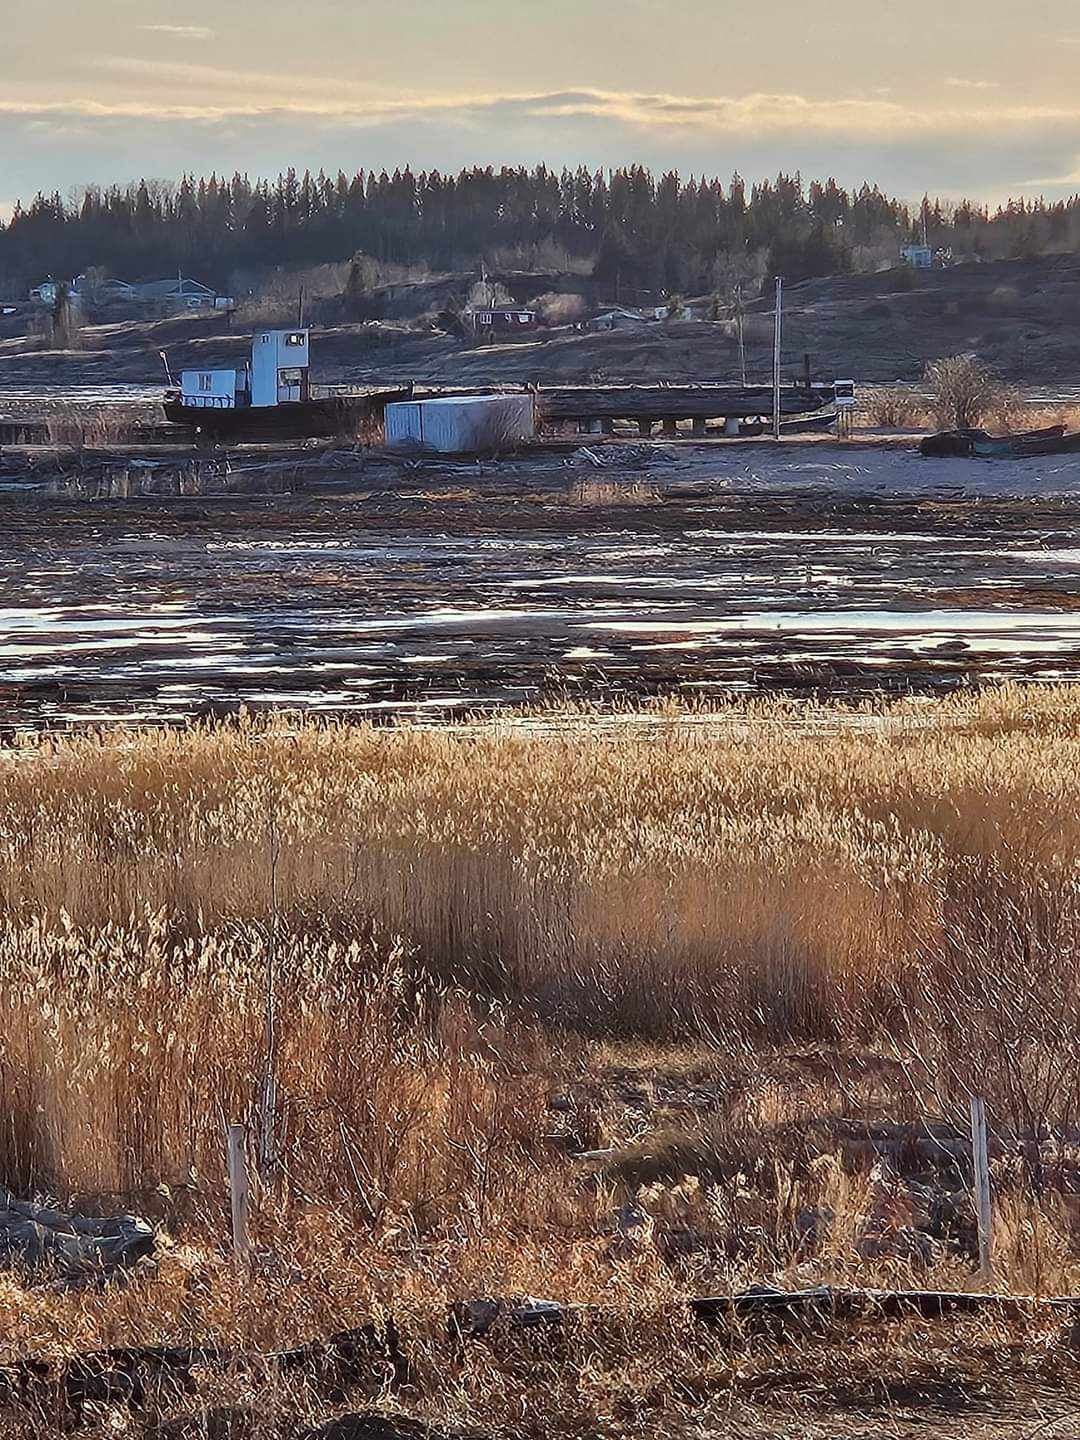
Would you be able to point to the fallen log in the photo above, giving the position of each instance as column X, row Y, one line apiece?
column 764, row 1302
column 124, row 1375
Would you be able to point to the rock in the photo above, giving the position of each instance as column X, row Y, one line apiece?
column 470, row 1319
column 881, row 1241
column 813, row 1226
column 634, row 1228
column 37, row 1238
column 374, row 1425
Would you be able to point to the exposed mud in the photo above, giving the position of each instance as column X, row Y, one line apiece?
column 439, row 589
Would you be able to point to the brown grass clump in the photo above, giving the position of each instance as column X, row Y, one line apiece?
column 106, row 425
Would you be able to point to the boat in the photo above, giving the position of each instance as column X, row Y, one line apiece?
column 799, row 425
column 1020, row 446
column 271, row 397
column 1051, row 440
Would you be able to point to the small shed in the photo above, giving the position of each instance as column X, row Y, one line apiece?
column 919, row 257
column 461, row 424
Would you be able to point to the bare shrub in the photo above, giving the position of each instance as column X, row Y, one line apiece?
column 963, row 392
column 893, row 406
column 559, row 308
column 274, row 298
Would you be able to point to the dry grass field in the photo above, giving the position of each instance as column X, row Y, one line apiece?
column 615, row 1012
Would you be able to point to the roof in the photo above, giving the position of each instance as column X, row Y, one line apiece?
column 464, row 401
column 166, row 289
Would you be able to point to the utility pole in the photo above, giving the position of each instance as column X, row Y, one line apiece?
column 777, row 330
column 739, row 327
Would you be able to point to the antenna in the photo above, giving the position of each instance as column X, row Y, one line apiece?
column 300, row 309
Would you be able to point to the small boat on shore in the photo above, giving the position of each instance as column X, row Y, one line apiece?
column 979, row 444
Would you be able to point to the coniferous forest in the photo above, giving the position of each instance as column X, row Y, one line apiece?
column 628, row 226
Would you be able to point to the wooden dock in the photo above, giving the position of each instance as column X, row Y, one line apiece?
column 666, row 405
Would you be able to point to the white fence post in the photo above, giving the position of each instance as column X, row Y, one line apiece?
column 239, row 1194
column 981, row 1157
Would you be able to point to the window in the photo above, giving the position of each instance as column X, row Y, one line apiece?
column 297, row 338
column 206, row 382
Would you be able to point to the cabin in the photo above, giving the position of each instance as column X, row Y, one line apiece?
column 277, row 374
column 503, row 320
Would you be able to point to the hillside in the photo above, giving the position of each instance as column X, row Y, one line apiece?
column 1022, row 317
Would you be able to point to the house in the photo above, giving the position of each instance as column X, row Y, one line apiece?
column 617, row 318
column 171, row 296
column 682, row 312
column 179, row 295
column 919, row 257
column 503, row 320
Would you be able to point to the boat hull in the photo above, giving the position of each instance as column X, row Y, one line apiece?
column 345, row 416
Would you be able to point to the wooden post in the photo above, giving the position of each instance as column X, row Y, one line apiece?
column 777, row 326
column 982, row 1183
column 239, row 1193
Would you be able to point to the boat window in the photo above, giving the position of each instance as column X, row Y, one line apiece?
column 206, row 381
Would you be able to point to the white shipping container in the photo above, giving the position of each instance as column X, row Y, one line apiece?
column 461, row 424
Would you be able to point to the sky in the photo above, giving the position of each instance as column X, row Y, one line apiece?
column 962, row 98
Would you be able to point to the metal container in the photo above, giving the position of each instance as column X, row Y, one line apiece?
column 461, row 424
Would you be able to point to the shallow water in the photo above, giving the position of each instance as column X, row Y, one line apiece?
column 389, row 603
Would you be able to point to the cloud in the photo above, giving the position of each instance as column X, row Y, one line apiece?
column 181, row 32
column 202, row 117
column 251, row 95
column 959, row 83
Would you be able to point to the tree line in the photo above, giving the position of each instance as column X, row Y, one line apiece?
column 635, row 230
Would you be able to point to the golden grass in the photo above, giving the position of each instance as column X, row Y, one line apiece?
column 719, row 933
column 105, row 425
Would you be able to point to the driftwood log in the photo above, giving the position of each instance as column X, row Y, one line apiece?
column 365, row 1356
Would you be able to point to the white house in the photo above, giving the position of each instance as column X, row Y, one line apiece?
column 618, row 318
